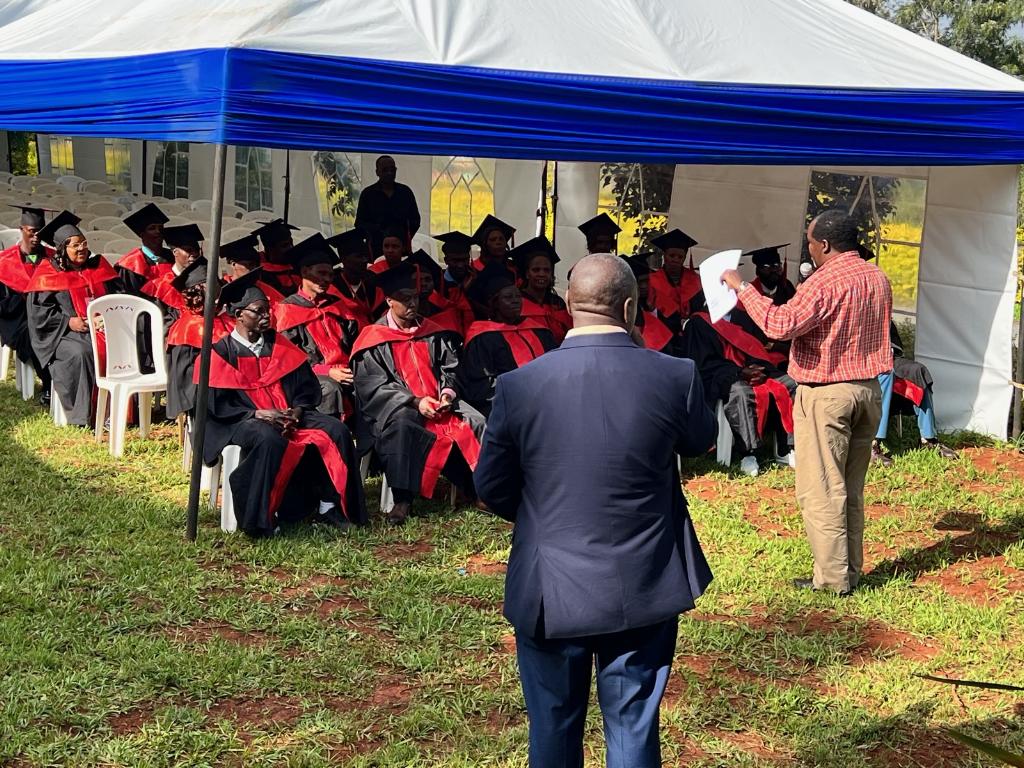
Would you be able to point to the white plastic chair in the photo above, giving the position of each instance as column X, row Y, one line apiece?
column 57, row 413
column 121, row 247
column 723, row 449
column 105, row 208
column 257, row 216
column 123, row 378
column 230, row 458
column 426, row 242
column 25, row 183
column 72, row 182
column 99, row 240
column 5, row 178
column 5, row 361
column 9, row 237
column 24, row 378
column 96, row 187
column 109, row 224
column 203, row 205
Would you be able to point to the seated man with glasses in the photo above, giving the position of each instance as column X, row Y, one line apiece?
column 296, row 462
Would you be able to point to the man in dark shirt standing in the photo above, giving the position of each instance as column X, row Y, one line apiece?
column 387, row 204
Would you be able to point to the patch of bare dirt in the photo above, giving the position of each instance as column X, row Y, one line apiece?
column 766, row 522
column 327, row 607
column 254, row 715
column 480, row 565
column 984, row 581
column 394, row 553
column 750, row 742
column 202, row 632
column 996, row 462
column 508, row 643
column 928, row 749
column 703, row 488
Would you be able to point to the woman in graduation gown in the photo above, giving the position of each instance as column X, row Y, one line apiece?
column 493, row 236
column 394, row 247
column 296, row 462
column 500, row 344
column 407, row 393
column 185, row 338
column 535, row 261
column 675, row 291
column 322, row 323
column 58, row 296
column 276, row 257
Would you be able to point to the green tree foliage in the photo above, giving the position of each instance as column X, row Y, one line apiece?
column 24, row 158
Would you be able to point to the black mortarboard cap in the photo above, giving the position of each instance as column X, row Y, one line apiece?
column 313, row 250
column 424, row 261
column 352, row 241
column 865, row 253
column 273, row 232
column 242, row 249
column 396, row 229
column 492, row 222
column 400, row 278
column 674, row 238
column 489, row 281
column 142, row 218
column 241, row 292
column 767, row 255
column 32, row 216
column 185, row 235
column 192, row 275
column 640, row 264
column 455, row 242
column 49, row 233
column 599, row 225
column 521, row 254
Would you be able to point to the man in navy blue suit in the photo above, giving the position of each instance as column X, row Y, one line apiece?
column 580, row 454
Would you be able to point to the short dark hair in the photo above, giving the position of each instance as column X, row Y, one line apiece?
column 839, row 228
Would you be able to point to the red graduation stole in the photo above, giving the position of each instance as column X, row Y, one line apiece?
column 260, row 379
column 521, row 339
column 283, row 273
column 478, row 264
column 161, row 289
column 671, row 299
column 737, row 347
column 136, row 261
column 454, row 298
column 450, row 318
column 908, row 389
column 555, row 319
column 83, row 285
column 187, row 330
column 319, row 324
column 656, row 334
column 413, row 365
column 15, row 272
column 368, row 305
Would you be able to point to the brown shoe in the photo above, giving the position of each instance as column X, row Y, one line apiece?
column 943, row 450
column 879, row 456
column 399, row 513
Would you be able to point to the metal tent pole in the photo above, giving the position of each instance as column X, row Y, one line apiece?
column 209, row 310
column 1018, row 395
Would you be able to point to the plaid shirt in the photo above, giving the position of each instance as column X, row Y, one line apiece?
column 838, row 321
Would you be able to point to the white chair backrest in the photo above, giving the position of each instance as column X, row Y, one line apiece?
column 9, row 237
column 203, row 205
column 106, row 208
column 178, row 221
column 95, row 187
column 121, row 313
column 121, row 247
column 10, row 219
column 23, row 182
column 71, row 181
column 111, row 224
column 235, row 233
column 99, row 241
column 257, row 216
column 233, row 211
column 5, row 177
column 426, row 242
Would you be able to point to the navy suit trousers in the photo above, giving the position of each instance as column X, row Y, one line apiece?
column 632, row 672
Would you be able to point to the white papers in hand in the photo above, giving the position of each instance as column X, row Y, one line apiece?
column 721, row 298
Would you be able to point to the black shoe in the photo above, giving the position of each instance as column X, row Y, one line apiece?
column 399, row 513
column 809, row 584
column 44, row 399
column 879, row 456
column 944, row 451
column 333, row 518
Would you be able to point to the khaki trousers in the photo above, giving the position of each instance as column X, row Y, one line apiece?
column 834, row 425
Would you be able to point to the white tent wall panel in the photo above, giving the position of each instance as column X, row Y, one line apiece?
column 966, row 287
column 516, row 194
column 90, row 158
column 740, row 206
column 303, row 208
column 578, row 186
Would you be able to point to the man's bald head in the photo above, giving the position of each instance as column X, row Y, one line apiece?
column 602, row 290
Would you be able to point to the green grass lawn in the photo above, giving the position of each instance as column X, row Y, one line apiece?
column 123, row 645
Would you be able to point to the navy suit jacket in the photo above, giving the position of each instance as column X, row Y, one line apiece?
column 580, row 453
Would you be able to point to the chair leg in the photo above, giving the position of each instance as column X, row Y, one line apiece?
column 27, row 386
column 102, row 396
column 723, row 450
column 230, row 458
column 145, row 413
column 5, row 361
column 387, row 498
column 57, row 412
column 364, row 466
column 118, row 420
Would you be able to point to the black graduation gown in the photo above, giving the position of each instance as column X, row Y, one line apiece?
column 66, row 353
column 14, row 312
column 344, row 330
column 905, row 368
column 232, row 422
column 701, row 343
column 184, row 339
column 488, row 355
column 386, row 406
column 368, row 296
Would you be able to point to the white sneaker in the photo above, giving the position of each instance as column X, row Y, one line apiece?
column 789, row 459
column 749, row 467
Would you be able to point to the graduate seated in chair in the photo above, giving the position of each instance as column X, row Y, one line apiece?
column 535, row 264
column 17, row 264
column 243, row 258
column 58, row 296
column 771, row 277
column 736, row 369
column 502, row 343
column 655, row 333
column 151, row 259
column 296, row 462
column 353, row 279
column 394, row 247
column 323, row 324
column 441, row 311
column 675, row 291
column 911, row 382
column 186, row 246
column 185, row 338
column 407, row 392
column 276, row 261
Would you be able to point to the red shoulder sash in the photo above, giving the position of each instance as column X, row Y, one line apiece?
column 136, row 261
column 48, row 278
column 285, row 357
column 288, row 315
column 375, row 335
column 656, row 334
column 14, row 272
column 187, row 330
column 480, row 327
column 161, row 289
column 741, row 340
